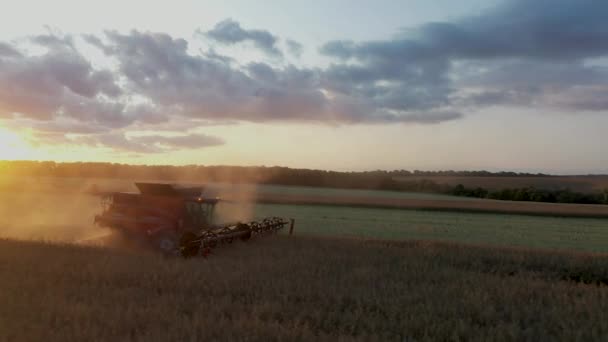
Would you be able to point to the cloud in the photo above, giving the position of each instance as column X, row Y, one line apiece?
column 45, row 139
column 544, row 29
column 213, row 55
column 294, row 48
column 431, row 117
column 535, row 83
column 230, row 32
column 191, row 141
column 159, row 67
column 6, row 50
column 584, row 98
column 521, row 52
column 97, row 42
column 58, row 126
column 542, row 54
column 60, row 82
column 120, row 142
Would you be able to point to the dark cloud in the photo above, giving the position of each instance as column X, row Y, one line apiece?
column 429, row 117
column 213, row 55
column 495, row 98
column 535, row 83
column 343, row 49
column 230, row 32
column 294, row 47
column 7, row 50
column 545, row 29
column 525, row 73
column 393, row 86
column 524, row 52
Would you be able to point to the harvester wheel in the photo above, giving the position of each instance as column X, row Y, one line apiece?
column 188, row 246
column 246, row 237
column 166, row 243
column 246, row 229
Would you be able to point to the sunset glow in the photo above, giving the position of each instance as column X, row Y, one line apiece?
column 13, row 146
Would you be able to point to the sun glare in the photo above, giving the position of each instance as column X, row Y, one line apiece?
column 12, row 145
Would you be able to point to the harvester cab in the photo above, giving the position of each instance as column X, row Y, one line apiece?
column 175, row 219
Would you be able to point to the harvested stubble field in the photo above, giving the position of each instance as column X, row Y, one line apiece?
column 302, row 288
column 574, row 183
column 460, row 205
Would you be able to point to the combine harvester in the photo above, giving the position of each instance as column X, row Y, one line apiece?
column 176, row 220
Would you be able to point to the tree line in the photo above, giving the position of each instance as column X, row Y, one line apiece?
column 532, row 194
column 396, row 180
column 275, row 174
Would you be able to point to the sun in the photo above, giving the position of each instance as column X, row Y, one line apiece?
column 12, row 145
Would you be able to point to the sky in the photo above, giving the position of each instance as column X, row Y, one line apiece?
column 512, row 85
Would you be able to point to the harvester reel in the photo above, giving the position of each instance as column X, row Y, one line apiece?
column 192, row 244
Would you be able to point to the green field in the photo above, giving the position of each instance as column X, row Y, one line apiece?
column 585, row 234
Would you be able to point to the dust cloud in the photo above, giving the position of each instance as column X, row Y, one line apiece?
column 237, row 201
column 32, row 209
column 63, row 209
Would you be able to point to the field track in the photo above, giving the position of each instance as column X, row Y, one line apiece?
column 487, row 206
column 273, row 194
column 587, row 184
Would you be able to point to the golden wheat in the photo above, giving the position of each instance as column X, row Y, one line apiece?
column 302, row 288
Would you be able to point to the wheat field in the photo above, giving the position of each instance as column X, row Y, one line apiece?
column 299, row 288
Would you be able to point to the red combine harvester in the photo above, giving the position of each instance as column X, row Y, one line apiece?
column 175, row 220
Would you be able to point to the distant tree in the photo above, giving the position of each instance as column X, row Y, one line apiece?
column 458, row 190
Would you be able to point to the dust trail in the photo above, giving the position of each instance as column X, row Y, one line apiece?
column 33, row 212
column 237, row 201
column 62, row 209
column 95, row 239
